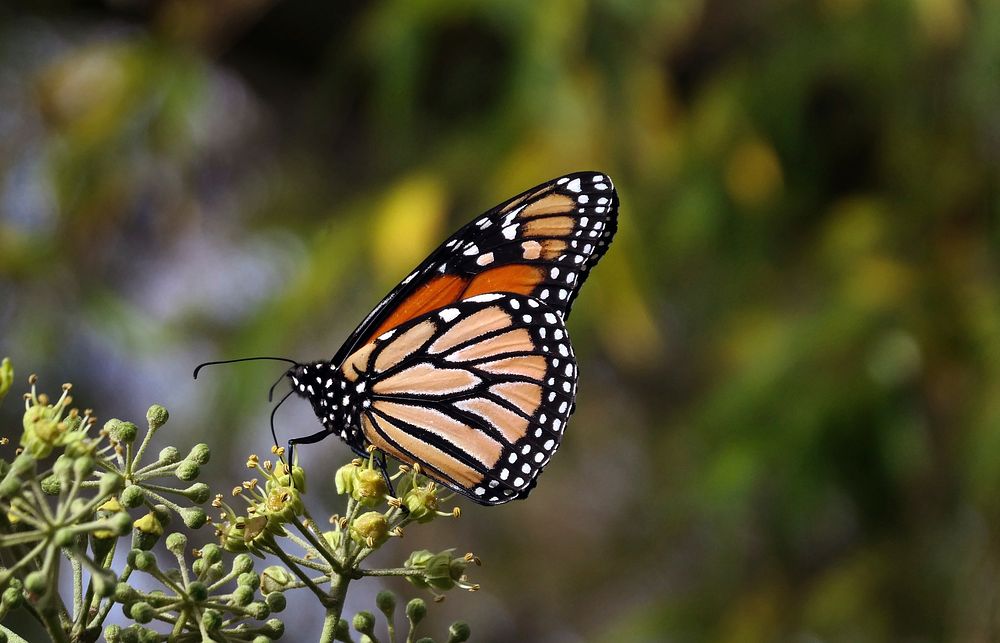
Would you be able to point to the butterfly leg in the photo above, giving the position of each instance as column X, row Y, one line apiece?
column 309, row 439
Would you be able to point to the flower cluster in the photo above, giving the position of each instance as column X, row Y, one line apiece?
column 275, row 521
column 204, row 602
column 74, row 495
column 69, row 496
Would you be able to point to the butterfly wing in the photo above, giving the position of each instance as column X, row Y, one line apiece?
column 477, row 392
column 541, row 243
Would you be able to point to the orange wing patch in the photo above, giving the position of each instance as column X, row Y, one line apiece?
column 516, row 278
column 437, row 292
column 426, row 379
column 476, row 324
column 549, row 227
column 511, row 425
column 406, row 344
column 510, row 342
column 552, row 204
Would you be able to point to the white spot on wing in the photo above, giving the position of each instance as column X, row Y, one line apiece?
column 448, row 314
column 574, row 185
column 490, row 296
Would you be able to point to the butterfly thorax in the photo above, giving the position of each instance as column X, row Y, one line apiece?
column 336, row 401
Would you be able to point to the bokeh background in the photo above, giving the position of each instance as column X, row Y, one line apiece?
column 789, row 414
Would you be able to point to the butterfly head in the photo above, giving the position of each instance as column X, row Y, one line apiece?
column 333, row 401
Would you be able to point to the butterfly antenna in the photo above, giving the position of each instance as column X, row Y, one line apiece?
column 270, row 392
column 242, row 359
column 274, row 434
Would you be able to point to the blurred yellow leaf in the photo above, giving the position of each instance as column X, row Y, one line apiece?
column 753, row 174
column 407, row 224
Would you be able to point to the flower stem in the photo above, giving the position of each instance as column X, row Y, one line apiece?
column 335, row 606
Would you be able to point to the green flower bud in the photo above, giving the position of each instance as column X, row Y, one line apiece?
column 198, row 591
column 369, row 487
column 242, row 596
column 176, row 543
column 113, row 634
column 83, row 466
column 261, row 639
column 459, row 632
column 370, row 529
column 110, row 483
column 118, row 431
column 274, row 628
column 258, row 610
column 211, row 620
column 275, row 601
column 344, row 479
column 364, row 622
column 124, row 593
column 422, row 503
column 36, row 583
column 275, row 578
column 215, row 572
column 169, row 455
column 187, row 470
column 386, row 602
column 51, row 486
column 63, row 537
column 146, row 635
column 198, row 493
column 118, row 525
column 211, row 553
column 132, row 496
column 439, row 571
column 6, row 377
column 248, row 579
column 13, row 598
column 200, row 454
column 243, row 564
column 142, row 612
column 416, row 610
column 63, row 467
column 193, row 517
column 156, row 416
column 142, row 560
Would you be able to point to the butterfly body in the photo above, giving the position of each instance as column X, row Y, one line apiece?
column 466, row 366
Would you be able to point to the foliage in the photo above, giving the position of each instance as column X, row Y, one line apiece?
column 788, row 417
column 66, row 499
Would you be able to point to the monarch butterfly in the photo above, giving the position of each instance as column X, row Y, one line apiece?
column 466, row 366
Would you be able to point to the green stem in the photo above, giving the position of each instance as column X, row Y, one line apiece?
column 277, row 551
column 398, row 571
column 50, row 618
column 335, row 605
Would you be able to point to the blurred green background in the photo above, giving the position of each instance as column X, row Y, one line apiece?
column 788, row 424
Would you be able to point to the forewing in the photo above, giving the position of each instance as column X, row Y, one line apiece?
column 478, row 393
column 541, row 243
